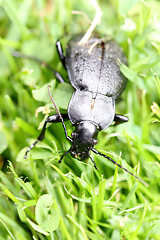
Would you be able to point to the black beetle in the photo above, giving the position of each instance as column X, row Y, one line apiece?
column 94, row 72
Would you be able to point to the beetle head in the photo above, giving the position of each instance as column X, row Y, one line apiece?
column 84, row 138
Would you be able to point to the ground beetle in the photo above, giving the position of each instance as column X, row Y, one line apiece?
column 94, row 72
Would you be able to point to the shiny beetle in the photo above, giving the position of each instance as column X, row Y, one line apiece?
column 94, row 73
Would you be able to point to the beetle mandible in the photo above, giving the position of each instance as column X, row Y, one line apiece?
column 94, row 73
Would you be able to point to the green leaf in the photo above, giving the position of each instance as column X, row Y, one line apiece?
column 124, row 7
column 9, row 194
column 37, row 228
column 3, row 142
column 63, row 94
column 157, row 46
column 152, row 148
column 43, row 49
column 41, row 94
column 133, row 77
column 116, row 234
column 42, row 151
column 47, row 213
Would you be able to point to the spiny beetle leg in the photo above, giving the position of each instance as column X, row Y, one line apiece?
column 120, row 118
column 60, row 52
column 51, row 119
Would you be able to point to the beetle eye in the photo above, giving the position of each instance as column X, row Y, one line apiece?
column 95, row 141
column 73, row 135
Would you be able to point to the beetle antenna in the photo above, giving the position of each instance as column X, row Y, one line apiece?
column 110, row 159
column 21, row 55
column 60, row 116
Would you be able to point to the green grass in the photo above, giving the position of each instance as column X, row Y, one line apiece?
column 41, row 199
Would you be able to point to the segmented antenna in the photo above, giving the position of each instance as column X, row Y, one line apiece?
column 110, row 159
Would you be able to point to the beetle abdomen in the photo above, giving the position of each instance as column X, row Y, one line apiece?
column 96, row 68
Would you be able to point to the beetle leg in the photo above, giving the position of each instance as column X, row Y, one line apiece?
column 120, row 118
column 60, row 53
column 51, row 119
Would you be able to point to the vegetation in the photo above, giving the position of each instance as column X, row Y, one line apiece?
column 41, row 199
